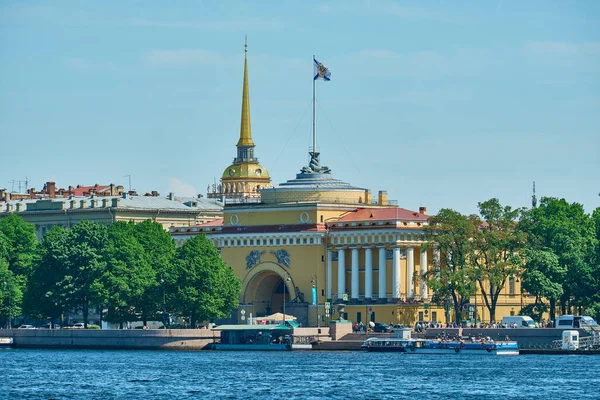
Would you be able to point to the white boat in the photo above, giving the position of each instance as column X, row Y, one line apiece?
column 6, row 342
column 424, row 346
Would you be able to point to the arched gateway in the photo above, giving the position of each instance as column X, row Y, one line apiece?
column 263, row 287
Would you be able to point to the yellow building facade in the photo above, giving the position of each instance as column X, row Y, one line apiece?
column 319, row 248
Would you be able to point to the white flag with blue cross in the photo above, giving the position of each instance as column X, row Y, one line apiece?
column 321, row 71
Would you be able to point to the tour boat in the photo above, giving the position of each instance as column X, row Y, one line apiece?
column 254, row 337
column 6, row 342
column 424, row 346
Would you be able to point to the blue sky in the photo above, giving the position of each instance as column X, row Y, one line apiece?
column 442, row 104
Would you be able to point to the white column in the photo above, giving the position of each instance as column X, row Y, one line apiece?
column 341, row 273
column 424, row 294
column 382, row 274
column 410, row 269
column 396, row 274
column 368, row 273
column 355, row 286
column 329, row 275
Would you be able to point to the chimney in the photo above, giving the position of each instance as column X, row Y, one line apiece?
column 7, row 196
column 368, row 197
column 170, row 196
column 116, row 202
column 423, row 210
column 382, row 198
column 51, row 187
column 71, row 189
column 154, row 193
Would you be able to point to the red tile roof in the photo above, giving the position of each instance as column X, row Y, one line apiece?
column 383, row 214
column 84, row 190
column 214, row 222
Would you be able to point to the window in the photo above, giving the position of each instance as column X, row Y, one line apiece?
column 511, row 286
column 434, row 316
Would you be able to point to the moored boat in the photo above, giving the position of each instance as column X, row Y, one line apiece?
column 6, row 342
column 423, row 346
column 254, row 337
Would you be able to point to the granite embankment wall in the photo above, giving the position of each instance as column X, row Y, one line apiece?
column 130, row 339
column 527, row 338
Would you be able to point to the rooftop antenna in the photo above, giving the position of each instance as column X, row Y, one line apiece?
column 128, row 176
column 533, row 198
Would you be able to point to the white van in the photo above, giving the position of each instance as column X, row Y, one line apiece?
column 570, row 321
column 522, row 321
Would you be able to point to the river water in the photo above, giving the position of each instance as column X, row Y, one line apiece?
column 96, row 374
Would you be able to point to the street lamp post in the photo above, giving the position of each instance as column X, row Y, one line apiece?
column 284, row 285
column 164, row 310
column 7, row 288
column 315, row 286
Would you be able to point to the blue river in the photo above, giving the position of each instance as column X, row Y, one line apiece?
column 95, row 374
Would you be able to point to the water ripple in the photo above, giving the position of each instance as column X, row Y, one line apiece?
column 89, row 374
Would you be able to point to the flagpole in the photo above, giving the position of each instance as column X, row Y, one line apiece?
column 314, row 112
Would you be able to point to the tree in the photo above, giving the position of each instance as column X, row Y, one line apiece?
column 567, row 231
column 44, row 295
column 496, row 246
column 206, row 288
column 593, row 301
column 22, row 243
column 541, row 277
column 159, row 251
column 10, row 293
column 18, row 249
column 452, row 277
column 128, row 275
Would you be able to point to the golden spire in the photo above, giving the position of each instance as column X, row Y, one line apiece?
column 245, row 131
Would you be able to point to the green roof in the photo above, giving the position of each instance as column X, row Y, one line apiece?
column 251, row 328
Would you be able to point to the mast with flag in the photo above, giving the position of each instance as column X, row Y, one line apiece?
column 323, row 73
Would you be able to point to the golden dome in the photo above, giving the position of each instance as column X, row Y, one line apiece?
column 250, row 171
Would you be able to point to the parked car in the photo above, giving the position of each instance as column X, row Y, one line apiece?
column 381, row 327
column 27, row 327
column 78, row 325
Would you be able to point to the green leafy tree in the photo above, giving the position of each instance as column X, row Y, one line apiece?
column 496, row 244
column 159, row 252
column 22, row 243
column 68, row 276
column 128, row 275
column 566, row 230
column 86, row 246
column 44, row 295
column 18, row 249
column 593, row 299
column 452, row 277
column 10, row 293
column 206, row 288
column 542, row 277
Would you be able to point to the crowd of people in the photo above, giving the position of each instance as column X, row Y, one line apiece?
column 423, row 326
